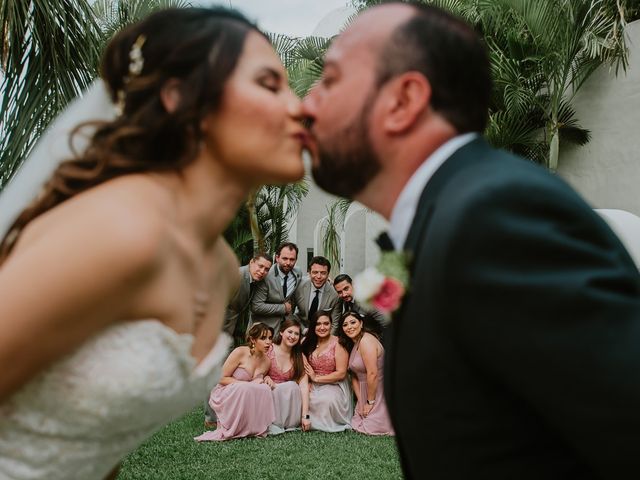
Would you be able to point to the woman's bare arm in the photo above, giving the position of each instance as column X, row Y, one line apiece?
column 368, row 348
column 61, row 288
column 230, row 364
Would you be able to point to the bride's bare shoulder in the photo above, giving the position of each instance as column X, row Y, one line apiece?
column 124, row 214
column 228, row 265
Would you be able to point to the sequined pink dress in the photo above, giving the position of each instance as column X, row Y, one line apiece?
column 330, row 405
column 243, row 409
column 377, row 422
column 287, row 400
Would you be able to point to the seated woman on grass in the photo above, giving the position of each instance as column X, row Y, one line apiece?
column 366, row 362
column 330, row 404
column 242, row 401
column 286, row 377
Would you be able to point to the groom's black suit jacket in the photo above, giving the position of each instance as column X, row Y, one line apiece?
column 516, row 354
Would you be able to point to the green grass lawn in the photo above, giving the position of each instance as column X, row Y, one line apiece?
column 172, row 454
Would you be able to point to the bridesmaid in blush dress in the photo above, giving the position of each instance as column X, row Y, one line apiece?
column 286, row 378
column 242, row 401
column 366, row 364
column 330, row 397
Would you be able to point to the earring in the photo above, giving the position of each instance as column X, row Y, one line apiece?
column 252, row 347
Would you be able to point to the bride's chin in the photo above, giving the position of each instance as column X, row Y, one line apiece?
column 293, row 173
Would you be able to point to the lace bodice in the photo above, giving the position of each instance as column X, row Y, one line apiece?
column 325, row 363
column 77, row 419
column 277, row 375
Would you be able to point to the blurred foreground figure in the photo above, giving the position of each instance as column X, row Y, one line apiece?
column 515, row 354
column 115, row 277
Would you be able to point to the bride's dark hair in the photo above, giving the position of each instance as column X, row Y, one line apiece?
column 199, row 47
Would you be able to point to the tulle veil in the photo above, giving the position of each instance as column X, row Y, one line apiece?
column 52, row 148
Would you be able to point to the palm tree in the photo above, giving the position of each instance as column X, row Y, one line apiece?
column 543, row 60
column 50, row 53
column 275, row 205
column 305, row 66
column 333, row 225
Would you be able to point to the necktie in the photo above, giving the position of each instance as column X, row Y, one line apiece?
column 284, row 286
column 348, row 306
column 314, row 304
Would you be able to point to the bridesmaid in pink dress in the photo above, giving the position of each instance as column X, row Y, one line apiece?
column 242, row 401
column 366, row 365
column 330, row 397
column 286, row 376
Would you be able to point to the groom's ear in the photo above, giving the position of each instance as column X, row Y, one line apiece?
column 408, row 97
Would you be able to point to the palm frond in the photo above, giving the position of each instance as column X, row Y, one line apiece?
column 50, row 54
column 112, row 15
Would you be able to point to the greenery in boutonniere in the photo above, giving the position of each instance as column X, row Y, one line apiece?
column 383, row 287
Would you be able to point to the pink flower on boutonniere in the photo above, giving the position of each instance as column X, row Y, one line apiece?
column 384, row 286
column 388, row 298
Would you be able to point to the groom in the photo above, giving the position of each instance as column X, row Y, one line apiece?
column 516, row 353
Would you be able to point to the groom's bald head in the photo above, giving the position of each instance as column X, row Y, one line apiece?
column 399, row 82
column 443, row 48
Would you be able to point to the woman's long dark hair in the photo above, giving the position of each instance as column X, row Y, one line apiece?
column 311, row 338
column 199, row 47
column 296, row 350
column 343, row 339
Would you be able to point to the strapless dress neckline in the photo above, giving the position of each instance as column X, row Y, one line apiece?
column 78, row 418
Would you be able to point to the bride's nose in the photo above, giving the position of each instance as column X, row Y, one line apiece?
column 294, row 106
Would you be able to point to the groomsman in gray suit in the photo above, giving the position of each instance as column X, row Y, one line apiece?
column 240, row 306
column 272, row 299
column 315, row 293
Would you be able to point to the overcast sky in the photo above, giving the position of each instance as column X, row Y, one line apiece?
column 296, row 18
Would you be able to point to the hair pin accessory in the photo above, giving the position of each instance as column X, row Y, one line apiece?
column 136, row 63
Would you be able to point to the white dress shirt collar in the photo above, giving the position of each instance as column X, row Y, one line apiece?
column 405, row 207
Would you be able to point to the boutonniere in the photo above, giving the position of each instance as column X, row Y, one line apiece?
column 383, row 286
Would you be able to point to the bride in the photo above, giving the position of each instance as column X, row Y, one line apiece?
column 115, row 277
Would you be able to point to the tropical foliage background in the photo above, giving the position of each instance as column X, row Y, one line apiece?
column 541, row 52
column 50, row 53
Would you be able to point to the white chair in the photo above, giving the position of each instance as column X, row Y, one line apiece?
column 627, row 226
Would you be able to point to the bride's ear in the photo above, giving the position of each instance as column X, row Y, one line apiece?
column 170, row 95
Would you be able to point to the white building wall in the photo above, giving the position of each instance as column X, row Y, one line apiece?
column 606, row 171
column 305, row 232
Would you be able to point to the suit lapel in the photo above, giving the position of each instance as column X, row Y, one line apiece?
column 277, row 282
column 326, row 296
column 306, row 289
column 465, row 155
column 468, row 154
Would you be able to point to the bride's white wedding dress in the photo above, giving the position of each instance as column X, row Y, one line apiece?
column 78, row 418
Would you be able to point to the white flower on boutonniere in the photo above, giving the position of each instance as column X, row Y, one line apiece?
column 383, row 287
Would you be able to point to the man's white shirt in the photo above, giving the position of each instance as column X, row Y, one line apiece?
column 405, row 207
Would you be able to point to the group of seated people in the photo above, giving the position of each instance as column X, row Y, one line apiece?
column 296, row 382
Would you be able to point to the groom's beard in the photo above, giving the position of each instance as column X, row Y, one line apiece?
column 348, row 161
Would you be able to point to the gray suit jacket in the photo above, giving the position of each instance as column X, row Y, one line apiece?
column 267, row 305
column 328, row 302
column 238, row 308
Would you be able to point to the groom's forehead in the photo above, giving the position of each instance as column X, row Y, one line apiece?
column 367, row 35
